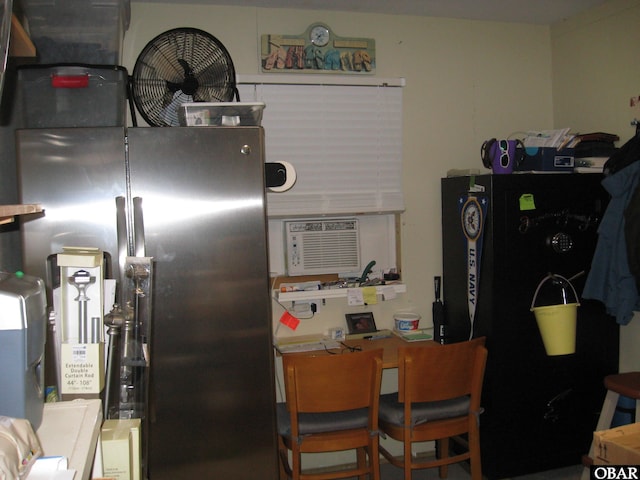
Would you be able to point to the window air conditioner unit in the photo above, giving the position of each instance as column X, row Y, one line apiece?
column 322, row 246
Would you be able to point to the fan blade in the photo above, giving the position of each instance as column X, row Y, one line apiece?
column 173, row 87
column 216, row 67
column 210, row 94
column 190, row 83
column 185, row 66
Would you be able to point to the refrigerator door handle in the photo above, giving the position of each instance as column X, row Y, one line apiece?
column 121, row 231
column 138, row 228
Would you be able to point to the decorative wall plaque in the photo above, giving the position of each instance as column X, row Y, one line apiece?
column 317, row 50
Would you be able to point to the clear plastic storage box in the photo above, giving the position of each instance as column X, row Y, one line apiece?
column 229, row 114
column 78, row 31
column 52, row 96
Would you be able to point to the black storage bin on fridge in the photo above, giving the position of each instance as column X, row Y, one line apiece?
column 72, row 95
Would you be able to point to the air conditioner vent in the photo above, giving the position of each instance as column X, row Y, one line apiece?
column 322, row 246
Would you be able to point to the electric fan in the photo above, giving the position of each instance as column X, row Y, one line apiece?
column 180, row 66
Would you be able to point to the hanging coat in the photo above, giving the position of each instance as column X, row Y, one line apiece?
column 632, row 235
column 610, row 279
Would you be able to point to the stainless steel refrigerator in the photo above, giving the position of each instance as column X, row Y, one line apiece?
column 201, row 190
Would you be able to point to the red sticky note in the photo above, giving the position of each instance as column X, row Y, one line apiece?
column 289, row 320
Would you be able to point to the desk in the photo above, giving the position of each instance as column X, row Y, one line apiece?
column 389, row 346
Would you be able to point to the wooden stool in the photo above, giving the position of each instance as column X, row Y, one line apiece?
column 625, row 384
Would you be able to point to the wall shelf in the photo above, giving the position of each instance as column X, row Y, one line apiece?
column 332, row 293
column 7, row 212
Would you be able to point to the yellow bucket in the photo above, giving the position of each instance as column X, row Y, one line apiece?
column 557, row 323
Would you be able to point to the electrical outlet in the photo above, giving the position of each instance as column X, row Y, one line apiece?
column 304, row 308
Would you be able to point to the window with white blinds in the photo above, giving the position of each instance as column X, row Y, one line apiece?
column 345, row 142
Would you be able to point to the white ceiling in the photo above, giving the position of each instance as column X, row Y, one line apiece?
column 541, row 12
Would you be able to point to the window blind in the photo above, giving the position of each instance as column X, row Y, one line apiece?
column 345, row 142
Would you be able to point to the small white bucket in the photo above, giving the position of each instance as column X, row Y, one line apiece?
column 406, row 321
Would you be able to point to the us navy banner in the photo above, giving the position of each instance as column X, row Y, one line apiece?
column 473, row 211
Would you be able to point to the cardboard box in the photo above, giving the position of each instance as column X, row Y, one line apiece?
column 121, row 449
column 617, row 446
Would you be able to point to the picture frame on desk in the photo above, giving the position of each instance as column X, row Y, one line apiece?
column 361, row 323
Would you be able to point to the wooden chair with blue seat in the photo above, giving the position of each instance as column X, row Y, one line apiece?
column 438, row 399
column 331, row 405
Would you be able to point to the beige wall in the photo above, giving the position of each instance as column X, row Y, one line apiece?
column 466, row 81
column 595, row 71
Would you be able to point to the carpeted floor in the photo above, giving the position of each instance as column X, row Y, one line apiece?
column 461, row 472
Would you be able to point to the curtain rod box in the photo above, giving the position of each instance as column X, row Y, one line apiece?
column 81, row 309
column 545, row 159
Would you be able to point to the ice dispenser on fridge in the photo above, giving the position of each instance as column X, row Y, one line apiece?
column 23, row 320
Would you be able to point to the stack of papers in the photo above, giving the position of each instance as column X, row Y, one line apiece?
column 51, row 468
column 414, row 335
column 559, row 139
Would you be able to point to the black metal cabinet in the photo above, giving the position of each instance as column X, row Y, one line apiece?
column 540, row 410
